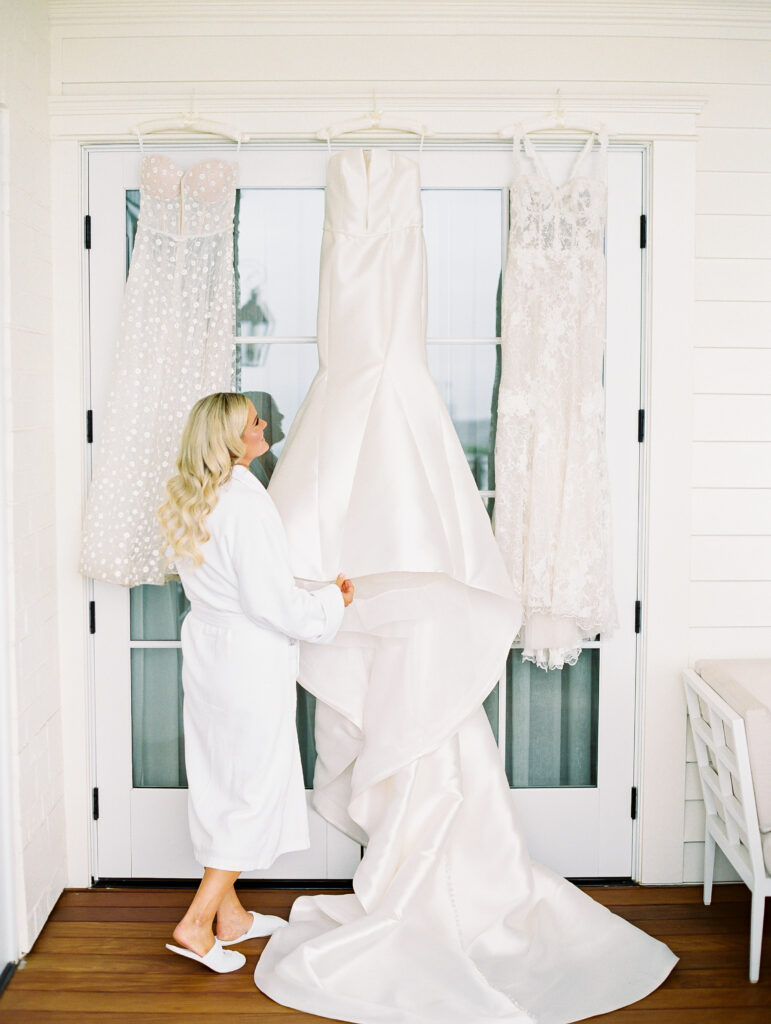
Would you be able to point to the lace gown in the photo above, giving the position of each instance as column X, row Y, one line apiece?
column 552, row 506
column 175, row 345
column 450, row 922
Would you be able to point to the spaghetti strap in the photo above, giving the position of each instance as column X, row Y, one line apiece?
column 582, row 155
column 603, row 162
column 532, row 152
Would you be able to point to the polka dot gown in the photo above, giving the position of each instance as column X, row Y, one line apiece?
column 175, row 345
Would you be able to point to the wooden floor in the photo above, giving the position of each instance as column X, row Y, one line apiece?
column 101, row 958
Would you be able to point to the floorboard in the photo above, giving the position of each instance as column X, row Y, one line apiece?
column 101, row 960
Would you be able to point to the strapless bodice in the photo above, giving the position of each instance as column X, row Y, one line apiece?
column 372, row 191
column 187, row 203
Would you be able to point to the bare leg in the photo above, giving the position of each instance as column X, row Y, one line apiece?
column 232, row 919
column 194, row 931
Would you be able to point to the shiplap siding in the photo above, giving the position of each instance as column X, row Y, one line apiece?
column 36, row 733
column 730, row 610
column 109, row 59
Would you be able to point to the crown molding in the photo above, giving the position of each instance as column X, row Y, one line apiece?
column 744, row 19
column 297, row 112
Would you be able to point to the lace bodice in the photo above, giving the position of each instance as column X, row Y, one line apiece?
column 552, row 500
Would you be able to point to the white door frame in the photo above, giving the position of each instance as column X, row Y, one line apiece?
column 667, row 124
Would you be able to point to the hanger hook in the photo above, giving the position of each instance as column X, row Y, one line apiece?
column 375, row 113
column 559, row 110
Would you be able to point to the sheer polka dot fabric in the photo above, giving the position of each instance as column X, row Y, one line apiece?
column 175, row 345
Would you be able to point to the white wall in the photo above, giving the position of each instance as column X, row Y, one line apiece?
column 284, row 69
column 9, row 939
column 36, row 734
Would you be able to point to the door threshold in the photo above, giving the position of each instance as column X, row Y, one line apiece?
column 242, row 883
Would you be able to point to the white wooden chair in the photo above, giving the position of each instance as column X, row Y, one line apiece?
column 729, row 797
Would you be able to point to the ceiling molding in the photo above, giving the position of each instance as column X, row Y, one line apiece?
column 640, row 17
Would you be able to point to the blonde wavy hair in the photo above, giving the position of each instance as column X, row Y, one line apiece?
column 211, row 444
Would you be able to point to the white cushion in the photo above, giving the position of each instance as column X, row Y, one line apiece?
column 745, row 684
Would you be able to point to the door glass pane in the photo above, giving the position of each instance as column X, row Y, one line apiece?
column 463, row 231
column 276, row 377
column 465, row 376
column 551, row 729
column 158, row 746
column 278, row 244
column 157, row 612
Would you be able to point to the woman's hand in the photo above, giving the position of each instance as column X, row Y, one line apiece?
column 346, row 588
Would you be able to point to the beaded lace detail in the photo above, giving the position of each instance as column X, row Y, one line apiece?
column 552, row 507
column 175, row 345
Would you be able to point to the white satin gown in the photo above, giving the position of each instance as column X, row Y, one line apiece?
column 450, row 922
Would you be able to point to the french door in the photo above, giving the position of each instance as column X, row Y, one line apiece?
column 566, row 738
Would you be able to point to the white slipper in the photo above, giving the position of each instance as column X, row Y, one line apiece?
column 223, row 961
column 263, row 924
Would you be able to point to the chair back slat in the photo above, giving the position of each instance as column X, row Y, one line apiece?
column 723, row 760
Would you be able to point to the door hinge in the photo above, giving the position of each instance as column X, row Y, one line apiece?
column 87, row 231
column 95, row 803
column 637, row 616
column 633, row 807
column 89, row 426
column 643, row 231
column 640, row 425
column 92, row 616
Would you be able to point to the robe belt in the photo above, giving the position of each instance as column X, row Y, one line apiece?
column 204, row 613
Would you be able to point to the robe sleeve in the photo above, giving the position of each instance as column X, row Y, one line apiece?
column 267, row 591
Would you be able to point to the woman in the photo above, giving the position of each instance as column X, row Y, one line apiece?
column 239, row 666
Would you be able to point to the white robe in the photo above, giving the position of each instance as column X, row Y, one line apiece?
column 239, row 666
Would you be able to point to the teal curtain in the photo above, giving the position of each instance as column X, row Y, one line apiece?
column 157, row 740
column 306, row 722
column 551, row 728
column 158, row 745
column 157, row 612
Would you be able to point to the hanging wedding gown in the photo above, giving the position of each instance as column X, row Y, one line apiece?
column 552, row 500
column 175, row 345
column 450, row 922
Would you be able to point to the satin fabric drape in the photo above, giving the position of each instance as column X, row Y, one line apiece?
column 450, row 922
